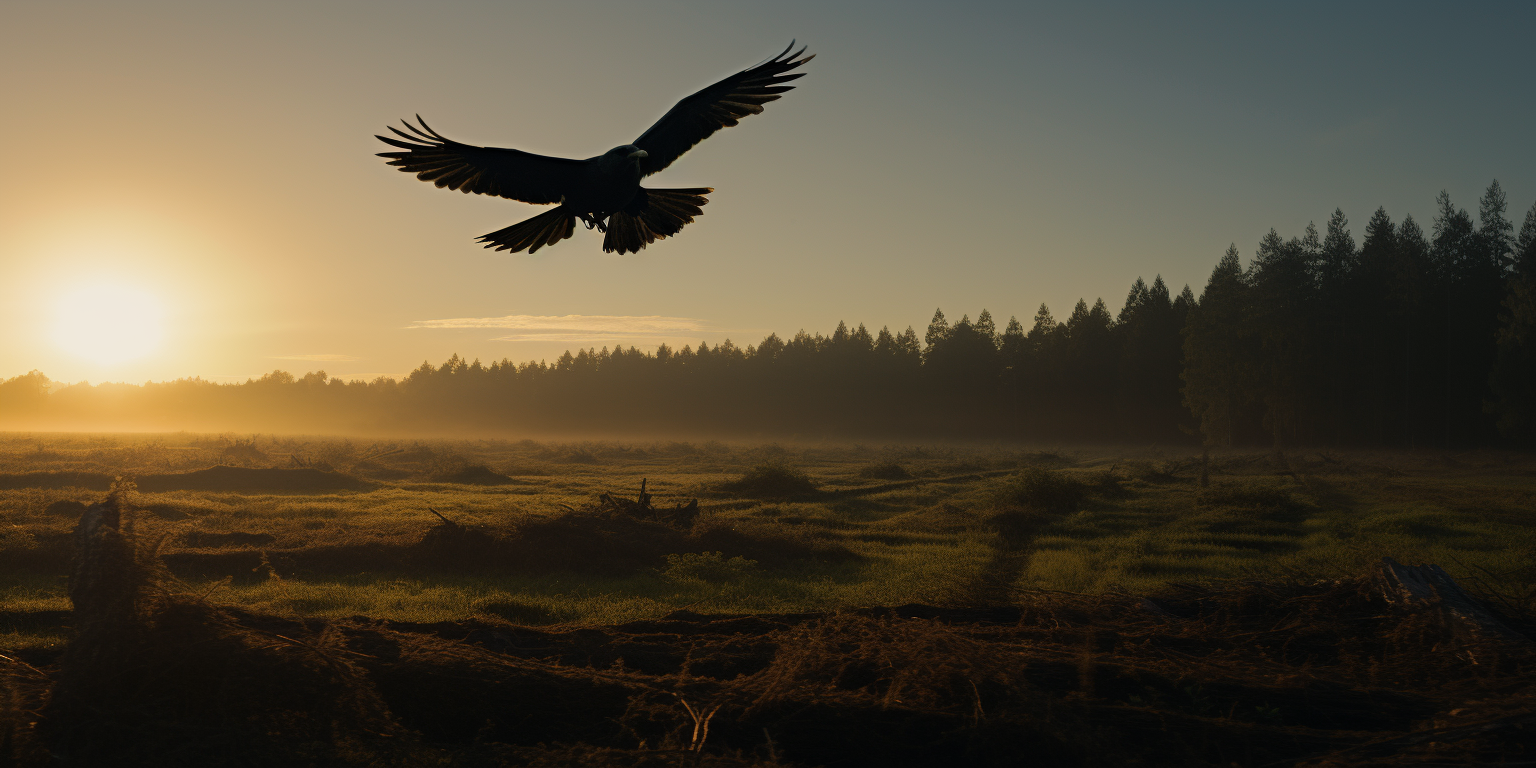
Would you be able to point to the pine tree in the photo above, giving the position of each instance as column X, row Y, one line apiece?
column 1336, row 364
column 1495, row 232
column 1284, row 306
column 985, row 326
column 1219, row 353
column 1474, row 288
column 1514, row 374
column 938, row 330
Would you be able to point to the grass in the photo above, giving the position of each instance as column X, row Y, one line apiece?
column 1235, row 624
column 938, row 524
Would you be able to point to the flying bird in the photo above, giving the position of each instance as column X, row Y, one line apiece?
column 604, row 192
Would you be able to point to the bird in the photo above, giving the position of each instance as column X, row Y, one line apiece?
column 602, row 192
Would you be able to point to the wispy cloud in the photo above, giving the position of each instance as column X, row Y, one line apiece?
column 319, row 358
column 589, row 337
column 576, row 328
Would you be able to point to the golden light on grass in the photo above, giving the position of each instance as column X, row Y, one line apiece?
column 108, row 322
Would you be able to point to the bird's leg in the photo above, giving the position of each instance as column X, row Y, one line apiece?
column 593, row 222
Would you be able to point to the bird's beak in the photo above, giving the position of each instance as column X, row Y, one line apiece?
column 639, row 154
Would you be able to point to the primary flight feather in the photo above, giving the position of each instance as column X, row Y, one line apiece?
column 604, row 192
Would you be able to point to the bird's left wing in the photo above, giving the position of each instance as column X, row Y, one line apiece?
column 508, row 173
column 721, row 105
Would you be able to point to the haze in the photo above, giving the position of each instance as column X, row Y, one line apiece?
column 216, row 162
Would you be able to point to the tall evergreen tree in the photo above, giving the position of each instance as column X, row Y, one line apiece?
column 938, row 328
column 1285, row 316
column 1220, row 352
column 1473, row 289
column 1514, row 375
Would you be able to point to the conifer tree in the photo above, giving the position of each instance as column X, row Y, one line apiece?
column 1514, row 375
column 938, row 329
column 1219, row 352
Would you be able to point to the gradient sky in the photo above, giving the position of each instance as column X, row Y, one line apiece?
column 215, row 162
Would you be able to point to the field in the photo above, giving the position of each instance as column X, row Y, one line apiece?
column 962, row 574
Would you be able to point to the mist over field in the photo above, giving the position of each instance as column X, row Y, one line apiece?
column 796, row 384
column 1400, row 339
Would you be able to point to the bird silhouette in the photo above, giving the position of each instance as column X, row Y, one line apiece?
column 603, row 192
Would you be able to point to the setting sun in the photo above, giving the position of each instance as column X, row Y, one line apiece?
column 108, row 322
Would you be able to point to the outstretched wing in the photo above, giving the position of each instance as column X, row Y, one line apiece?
column 721, row 105
column 508, row 173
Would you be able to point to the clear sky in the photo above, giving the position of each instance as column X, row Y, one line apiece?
column 208, row 168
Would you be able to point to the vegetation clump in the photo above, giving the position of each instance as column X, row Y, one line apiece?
column 1043, row 490
column 773, row 479
column 885, row 470
column 65, row 508
column 473, row 474
column 243, row 453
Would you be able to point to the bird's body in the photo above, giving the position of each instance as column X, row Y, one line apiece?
column 603, row 192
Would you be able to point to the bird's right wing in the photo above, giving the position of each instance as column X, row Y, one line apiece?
column 508, row 173
column 721, row 105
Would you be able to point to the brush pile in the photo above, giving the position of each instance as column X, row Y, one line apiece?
column 1397, row 667
column 680, row 516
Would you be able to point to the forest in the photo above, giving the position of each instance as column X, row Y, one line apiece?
column 1402, row 338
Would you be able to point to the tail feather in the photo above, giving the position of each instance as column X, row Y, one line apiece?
column 547, row 228
column 653, row 215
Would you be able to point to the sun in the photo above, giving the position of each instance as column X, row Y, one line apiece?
column 108, row 322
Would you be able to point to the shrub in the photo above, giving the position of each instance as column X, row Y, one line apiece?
column 885, row 470
column 771, row 480
column 1043, row 490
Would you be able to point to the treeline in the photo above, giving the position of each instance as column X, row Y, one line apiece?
column 1405, row 339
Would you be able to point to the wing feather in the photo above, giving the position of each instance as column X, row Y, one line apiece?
column 508, row 173
column 721, row 105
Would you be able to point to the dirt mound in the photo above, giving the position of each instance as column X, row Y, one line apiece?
column 606, row 544
column 255, row 480
column 65, row 508
column 592, row 543
column 475, row 474
column 619, row 545
column 886, row 470
column 771, row 480
column 91, row 481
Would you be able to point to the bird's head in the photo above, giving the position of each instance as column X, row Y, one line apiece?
column 625, row 154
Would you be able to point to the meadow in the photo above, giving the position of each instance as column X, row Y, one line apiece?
column 180, row 599
column 321, row 527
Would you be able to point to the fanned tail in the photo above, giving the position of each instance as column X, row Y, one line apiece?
column 532, row 234
column 653, row 215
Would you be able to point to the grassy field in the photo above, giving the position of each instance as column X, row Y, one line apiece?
column 340, row 528
column 515, row 603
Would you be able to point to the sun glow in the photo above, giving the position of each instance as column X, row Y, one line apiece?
column 108, row 323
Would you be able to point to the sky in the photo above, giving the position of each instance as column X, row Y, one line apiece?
column 191, row 188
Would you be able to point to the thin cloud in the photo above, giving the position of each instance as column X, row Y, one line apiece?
column 554, row 326
column 585, row 337
column 319, row 358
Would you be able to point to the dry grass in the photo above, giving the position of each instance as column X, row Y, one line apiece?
column 1252, row 673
